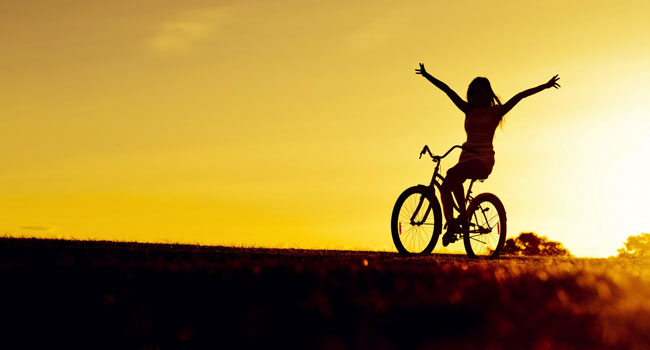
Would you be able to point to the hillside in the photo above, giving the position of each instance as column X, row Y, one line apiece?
column 154, row 296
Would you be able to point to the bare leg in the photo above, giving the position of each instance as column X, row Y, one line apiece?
column 447, row 201
column 452, row 185
column 459, row 193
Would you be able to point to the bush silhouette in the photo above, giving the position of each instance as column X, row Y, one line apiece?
column 530, row 244
column 636, row 247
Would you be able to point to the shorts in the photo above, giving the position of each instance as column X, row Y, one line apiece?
column 469, row 169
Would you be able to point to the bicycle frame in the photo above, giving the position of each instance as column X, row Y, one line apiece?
column 436, row 182
column 481, row 225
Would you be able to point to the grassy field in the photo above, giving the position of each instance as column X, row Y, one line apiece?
column 153, row 296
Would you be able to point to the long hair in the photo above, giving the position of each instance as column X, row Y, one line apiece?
column 485, row 83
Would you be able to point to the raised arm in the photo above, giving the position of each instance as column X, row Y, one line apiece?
column 462, row 105
column 506, row 107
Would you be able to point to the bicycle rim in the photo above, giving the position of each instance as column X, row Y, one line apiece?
column 487, row 227
column 416, row 222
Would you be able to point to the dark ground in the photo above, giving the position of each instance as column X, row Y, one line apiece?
column 154, row 296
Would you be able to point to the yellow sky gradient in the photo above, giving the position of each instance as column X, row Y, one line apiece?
column 298, row 123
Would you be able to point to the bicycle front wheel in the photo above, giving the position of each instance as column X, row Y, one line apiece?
column 416, row 221
column 486, row 234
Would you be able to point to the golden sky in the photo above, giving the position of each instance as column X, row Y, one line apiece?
column 298, row 123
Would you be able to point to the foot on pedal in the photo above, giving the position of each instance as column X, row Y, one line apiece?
column 453, row 228
column 448, row 237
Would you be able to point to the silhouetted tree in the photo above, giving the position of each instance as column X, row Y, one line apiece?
column 636, row 247
column 529, row 244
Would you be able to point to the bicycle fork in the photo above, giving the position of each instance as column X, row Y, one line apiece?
column 481, row 229
column 412, row 220
column 417, row 210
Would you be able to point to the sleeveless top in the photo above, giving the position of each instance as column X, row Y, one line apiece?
column 480, row 125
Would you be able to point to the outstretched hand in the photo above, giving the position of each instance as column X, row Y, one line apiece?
column 421, row 70
column 553, row 82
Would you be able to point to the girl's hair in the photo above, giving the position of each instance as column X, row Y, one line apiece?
column 485, row 83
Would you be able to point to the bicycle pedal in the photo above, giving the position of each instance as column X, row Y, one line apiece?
column 449, row 238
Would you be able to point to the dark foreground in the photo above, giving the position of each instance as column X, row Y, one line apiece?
column 144, row 296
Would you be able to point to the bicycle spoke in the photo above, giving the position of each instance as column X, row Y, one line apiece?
column 477, row 240
column 484, row 238
column 407, row 232
column 422, row 242
column 415, row 223
column 494, row 216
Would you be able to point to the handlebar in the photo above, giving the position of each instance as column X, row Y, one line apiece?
column 438, row 158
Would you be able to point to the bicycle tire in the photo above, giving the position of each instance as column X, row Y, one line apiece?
column 485, row 235
column 410, row 239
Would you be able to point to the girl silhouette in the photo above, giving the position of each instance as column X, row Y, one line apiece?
column 483, row 112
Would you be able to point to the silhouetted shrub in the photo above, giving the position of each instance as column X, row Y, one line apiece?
column 530, row 244
column 636, row 247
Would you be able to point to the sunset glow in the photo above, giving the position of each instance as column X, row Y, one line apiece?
column 297, row 124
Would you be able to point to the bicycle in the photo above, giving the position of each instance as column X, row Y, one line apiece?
column 416, row 230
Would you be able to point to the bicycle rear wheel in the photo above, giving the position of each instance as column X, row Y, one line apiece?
column 486, row 234
column 416, row 221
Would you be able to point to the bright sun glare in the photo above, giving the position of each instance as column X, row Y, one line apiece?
column 182, row 121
